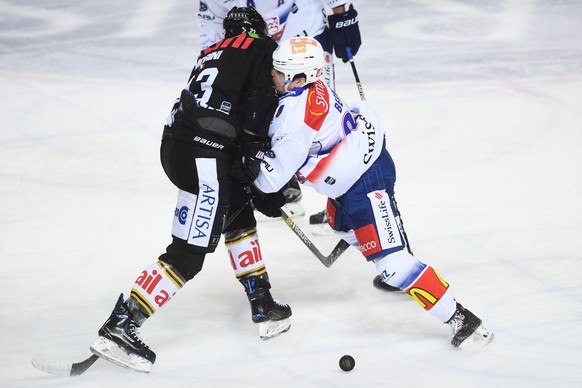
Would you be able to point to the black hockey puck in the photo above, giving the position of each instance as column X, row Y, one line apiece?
column 347, row 363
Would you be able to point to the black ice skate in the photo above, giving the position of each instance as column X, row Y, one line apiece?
column 467, row 331
column 272, row 316
column 318, row 218
column 292, row 193
column 120, row 343
column 379, row 284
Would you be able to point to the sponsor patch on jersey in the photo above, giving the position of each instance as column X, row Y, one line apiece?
column 206, row 204
column 317, row 105
column 388, row 231
column 195, row 215
column 368, row 240
column 183, row 214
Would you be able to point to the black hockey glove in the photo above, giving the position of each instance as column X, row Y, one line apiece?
column 345, row 32
column 269, row 203
column 246, row 169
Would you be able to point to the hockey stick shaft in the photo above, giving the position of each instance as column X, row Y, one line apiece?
column 327, row 261
column 355, row 71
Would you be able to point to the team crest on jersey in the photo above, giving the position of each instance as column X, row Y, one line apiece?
column 317, row 105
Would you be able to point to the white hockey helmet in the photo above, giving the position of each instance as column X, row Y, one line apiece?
column 300, row 55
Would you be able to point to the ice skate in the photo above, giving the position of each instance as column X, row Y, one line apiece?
column 379, row 284
column 318, row 218
column 271, row 315
column 467, row 331
column 120, row 343
column 293, row 196
column 294, row 209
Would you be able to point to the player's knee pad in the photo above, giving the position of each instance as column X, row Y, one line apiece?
column 245, row 252
column 186, row 259
column 155, row 286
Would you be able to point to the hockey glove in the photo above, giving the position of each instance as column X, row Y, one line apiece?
column 269, row 203
column 345, row 32
column 246, row 169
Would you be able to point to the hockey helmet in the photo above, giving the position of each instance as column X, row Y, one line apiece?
column 300, row 55
column 244, row 19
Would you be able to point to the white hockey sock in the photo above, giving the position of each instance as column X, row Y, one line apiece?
column 155, row 286
column 433, row 294
column 245, row 253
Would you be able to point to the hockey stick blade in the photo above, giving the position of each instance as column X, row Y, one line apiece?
column 328, row 261
column 61, row 368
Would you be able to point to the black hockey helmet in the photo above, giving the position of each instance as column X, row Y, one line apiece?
column 244, row 19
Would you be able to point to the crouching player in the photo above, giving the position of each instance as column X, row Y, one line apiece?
column 313, row 134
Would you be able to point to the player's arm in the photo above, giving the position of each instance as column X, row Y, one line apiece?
column 287, row 154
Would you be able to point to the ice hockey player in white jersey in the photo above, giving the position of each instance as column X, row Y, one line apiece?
column 341, row 152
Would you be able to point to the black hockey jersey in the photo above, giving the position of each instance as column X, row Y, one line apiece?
column 224, row 77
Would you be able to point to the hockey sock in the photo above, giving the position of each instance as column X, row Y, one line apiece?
column 433, row 294
column 156, row 285
column 245, row 252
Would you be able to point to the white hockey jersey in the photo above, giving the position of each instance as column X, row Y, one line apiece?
column 285, row 18
column 317, row 137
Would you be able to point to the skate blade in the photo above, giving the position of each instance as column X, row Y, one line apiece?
column 476, row 341
column 321, row 230
column 270, row 329
column 110, row 351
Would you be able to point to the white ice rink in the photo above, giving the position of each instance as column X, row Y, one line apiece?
column 482, row 100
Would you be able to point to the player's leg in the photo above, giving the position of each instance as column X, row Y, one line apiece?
column 378, row 281
column 246, row 258
column 423, row 284
column 196, row 230
column 381, row 239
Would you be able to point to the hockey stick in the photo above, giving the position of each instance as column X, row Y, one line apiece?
column 61, row 368
column 358, row 83
column 328, row 260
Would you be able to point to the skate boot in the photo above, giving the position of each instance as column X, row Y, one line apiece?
column 467, row 331
column 292, row 193
column 318, row 218
column 379, row 284
column 271, row 315
column 120, row 343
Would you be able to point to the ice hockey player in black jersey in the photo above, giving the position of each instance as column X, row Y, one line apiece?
column 220, row 120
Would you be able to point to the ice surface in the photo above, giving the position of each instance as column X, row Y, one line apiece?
column 483, row 105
